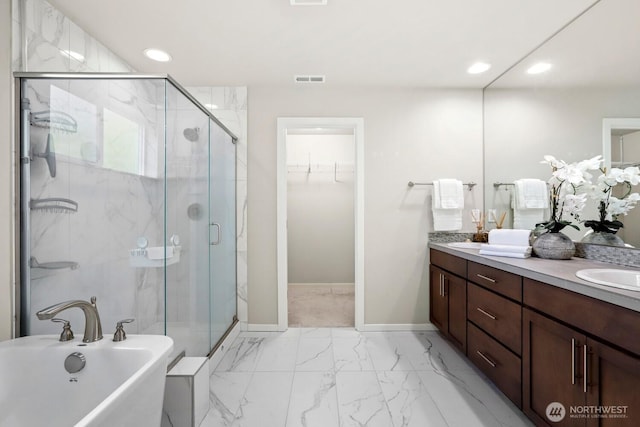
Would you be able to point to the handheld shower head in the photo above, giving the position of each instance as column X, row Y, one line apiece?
column 192, row 134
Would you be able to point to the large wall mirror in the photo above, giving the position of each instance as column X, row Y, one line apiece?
column 594, row 80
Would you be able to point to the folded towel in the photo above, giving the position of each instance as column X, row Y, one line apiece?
column 505, row 254
column 447, row 219
column 448, row 194
column 447, row 205
column 505, row 248
column 531, row 194
column 513, row 237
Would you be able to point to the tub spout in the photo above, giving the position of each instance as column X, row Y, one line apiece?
column 92, row 325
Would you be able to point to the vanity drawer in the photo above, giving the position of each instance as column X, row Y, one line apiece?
column 502, row 282
column 498, row 363
column 451, row 263
column 496, row 315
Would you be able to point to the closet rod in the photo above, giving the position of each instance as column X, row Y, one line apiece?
column 468, row 184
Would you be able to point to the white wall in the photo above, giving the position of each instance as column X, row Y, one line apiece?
column 6, row 173
column 411, row 134
column 320, row 209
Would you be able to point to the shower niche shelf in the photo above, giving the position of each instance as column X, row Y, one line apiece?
column 154, row 257
column 54, row 205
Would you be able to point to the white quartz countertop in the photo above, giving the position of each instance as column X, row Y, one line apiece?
column 560, row 273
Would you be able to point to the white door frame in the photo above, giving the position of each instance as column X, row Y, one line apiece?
column 284, row 123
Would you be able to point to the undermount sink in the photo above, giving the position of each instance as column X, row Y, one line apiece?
column 623, row 279
column 465, row 245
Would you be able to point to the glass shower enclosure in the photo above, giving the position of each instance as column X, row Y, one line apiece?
column 128, row 194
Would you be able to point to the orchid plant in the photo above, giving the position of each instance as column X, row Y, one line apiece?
column 609, row 206
column 565, row 196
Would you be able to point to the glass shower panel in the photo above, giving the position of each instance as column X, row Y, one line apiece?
column 89, row 192
column 222, row 231
column 186, row 229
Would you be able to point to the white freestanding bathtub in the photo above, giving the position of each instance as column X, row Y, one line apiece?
column 121, row 384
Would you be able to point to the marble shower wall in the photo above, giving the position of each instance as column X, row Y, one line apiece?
column 47, row 33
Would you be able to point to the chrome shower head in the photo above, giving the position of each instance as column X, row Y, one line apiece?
column 192, row 134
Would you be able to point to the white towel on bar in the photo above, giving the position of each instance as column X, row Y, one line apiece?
column 447, row 205
column 448, row 194
column 529, row 203
column 531, row 194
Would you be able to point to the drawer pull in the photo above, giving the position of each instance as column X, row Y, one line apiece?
column 486, row 278
column 486, row 359
column 489, row 315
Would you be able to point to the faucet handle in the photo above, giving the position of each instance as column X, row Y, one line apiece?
column 67, row 333
column 120, row 334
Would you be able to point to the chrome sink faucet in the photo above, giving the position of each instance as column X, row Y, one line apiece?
column 92, row 325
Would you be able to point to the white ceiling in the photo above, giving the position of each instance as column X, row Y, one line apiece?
column 406, row 43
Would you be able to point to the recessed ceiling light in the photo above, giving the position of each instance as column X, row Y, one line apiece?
column 211, row 106
column 73, row 55
column 157, row 55
column 538, row 68
column 478, row 67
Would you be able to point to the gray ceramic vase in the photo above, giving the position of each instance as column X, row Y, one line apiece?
column 554, row 246
column 603, row 238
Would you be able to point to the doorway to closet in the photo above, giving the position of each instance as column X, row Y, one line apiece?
column 320, row 204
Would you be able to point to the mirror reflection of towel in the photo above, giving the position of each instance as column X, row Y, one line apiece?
column 530, row 200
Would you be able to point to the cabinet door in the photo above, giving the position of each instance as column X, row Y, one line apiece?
column 612, row 386
column 456, row 290
column 438, row 302
column 551, row 369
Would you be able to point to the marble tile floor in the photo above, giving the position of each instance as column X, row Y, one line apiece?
column 330, row 377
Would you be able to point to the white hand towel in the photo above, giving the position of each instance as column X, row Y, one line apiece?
column 505, row 248
column 531, row 194
column 509, row 237
column 527, row 218
column 447, row 205
column 505, row 254
column 448, row 194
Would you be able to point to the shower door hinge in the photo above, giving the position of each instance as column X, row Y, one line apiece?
column 25, row 160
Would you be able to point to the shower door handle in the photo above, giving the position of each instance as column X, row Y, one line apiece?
column 218, row 233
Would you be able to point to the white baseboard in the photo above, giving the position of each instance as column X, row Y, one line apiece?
column 217, row 356
column 381, row 327
column 262, row 327
column 321, row 284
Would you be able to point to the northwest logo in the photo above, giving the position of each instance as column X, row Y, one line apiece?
column 555, row 412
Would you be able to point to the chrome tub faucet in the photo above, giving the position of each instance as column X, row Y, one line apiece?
column 92, row 325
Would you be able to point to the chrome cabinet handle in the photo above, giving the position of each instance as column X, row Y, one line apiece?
column 486, row 359
column 584, row 366
column 573, row 361
column 486, row 278
column 218, row 233
column 489, row 315
column 444, row 286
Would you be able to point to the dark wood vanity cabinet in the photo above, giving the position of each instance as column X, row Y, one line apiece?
column 563, row 363
column 448, row 297
column 541, row 344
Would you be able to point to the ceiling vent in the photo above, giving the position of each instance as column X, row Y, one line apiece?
column 308, row 79
column 308, row 2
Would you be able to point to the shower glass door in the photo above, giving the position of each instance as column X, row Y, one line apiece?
column 222, row 232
